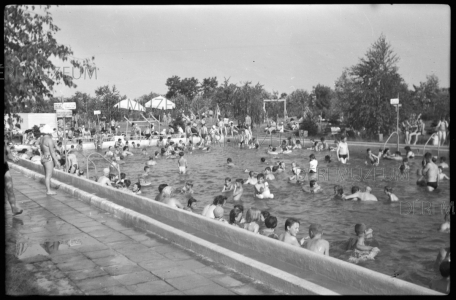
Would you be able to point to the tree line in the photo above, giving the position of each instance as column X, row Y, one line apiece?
column 360, row 96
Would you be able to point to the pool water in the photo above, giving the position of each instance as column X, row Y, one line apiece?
column 409, row 242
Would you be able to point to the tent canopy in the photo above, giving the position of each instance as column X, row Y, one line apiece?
column 160, row 102
column 130, row 104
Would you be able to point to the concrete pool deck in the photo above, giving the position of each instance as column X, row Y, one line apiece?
column 287, row 268
column 105, row 256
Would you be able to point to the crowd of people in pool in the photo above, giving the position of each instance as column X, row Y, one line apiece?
column 254, row 220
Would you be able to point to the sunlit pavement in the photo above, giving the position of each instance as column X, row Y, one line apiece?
column 72, row 248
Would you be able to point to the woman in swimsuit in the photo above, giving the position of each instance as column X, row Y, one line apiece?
column 406, row 127
column 442, row 128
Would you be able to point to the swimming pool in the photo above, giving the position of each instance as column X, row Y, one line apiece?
column 408, row 242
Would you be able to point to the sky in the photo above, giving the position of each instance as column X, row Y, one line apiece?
column 283, row 47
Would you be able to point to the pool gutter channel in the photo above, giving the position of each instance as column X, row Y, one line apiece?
column 261, row 268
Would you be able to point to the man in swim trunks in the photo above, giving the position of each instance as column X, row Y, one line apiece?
column 48, row 160
column 357, row 243
column 72, row 161
column 316, row 243
column 9, row 189
column 431, row 173
column 182, row 163
column 342, row 152
column 363, row 196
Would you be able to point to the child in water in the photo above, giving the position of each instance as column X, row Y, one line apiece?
column 373, row 159
column 191, row 204
column 188, row 188
column 339, row 192
column 296, row 172
column 238, row 190
column 268, row 174
column 228, row 186
column 262, row 189
column 182, row 163
column 297, row 145
column 361, row 252
column 314, row 187
column 442, row 175
column 404, row 166
column 389, row 191
column 443, row 163
column 229, row 162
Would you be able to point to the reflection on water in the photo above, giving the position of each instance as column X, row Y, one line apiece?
column 408, row 242
column 30, row 249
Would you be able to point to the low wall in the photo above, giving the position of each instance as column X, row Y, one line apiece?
column 347, row 274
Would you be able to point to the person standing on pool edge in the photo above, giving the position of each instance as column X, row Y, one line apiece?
column 9, row 190
column 342, row 152
column 48, row 160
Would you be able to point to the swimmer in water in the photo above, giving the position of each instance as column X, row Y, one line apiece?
column 296, row 173
column 109, row 153
column 291, row 230
column 339, row 192
column 151, row 161
column 168, row 199
column 262, row 189
column 316, row 243
column 342, row 151
column 443, row 284
column 445, row 227
column 114, row 166
column 270, row 223
column 389, row 191
column 188, row 188
column 191, row 204
column 327, row 159
column 238, row 190
column 273, row 151
column 358, row 241
column 430, row 172
column 143, row 179
column 313, row 164
column 268, row 174
column 314, row 187
column 228, row 186
column 126, row 152
column 442, row 175
column 182, row 163
column 404, row 166
column 372, row 158
column 136, row 188
column 229, row 162
column 252, row 178
column 363, row 196
column 408, row 152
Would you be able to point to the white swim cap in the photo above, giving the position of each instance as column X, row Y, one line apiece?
column 106, row 170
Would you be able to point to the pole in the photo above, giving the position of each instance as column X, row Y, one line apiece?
column 397, row 127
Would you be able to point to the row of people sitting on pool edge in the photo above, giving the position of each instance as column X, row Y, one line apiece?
column 122, row 183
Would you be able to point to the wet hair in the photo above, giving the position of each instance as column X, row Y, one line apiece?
column 123, row 175
column 270, row 222
column 289, row 222
column 328, row 158
column 181, row 153
column 62, row 161
column 442, row 159
column 386, row 150
column 265, row 214
column 405, row 159
column 368, row 149
column 112, row 176
column 315, row 229
column 261, row 175
column 312, row 156
column 189, row 183
column 398, row 153
column 298, row 142
column 322, row 139
column 427, row 155
column 312, row 183
column 228, row 179
column 229, row 160
column 262, row 159
column 240, row 180
column 219, row 200
column 251, row 173
column 191, row 201
column 173, row 152
column 440, row 168
column 340, row 190
column 434, row 159
column 274, row 168
column 125, row 147
column 161, row 187
column 146, row 167
column 388, row 189
column 274, row 149
column 267, row 169
column 239, row 207
column 252, row 215
column 407, row 148
column 360, row 228
column 355, row 189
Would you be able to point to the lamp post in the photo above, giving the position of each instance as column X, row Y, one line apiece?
column 395, row 102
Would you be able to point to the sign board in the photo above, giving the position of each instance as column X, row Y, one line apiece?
column 394, row 101
column 63, row 113
column 96, row 112
column 65, row 105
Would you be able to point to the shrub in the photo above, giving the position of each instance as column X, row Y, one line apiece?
column 310, row 126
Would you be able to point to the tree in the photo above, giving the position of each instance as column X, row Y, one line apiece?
column 105, row 99
column 323, row 95
column 365, row 90
column 208, row 86
column 29, row 43
column 173, row 84
column 189, row 87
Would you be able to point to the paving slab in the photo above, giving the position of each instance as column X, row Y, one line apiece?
column 94, row 253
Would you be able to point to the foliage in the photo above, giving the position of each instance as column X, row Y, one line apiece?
column 323, row 95
column 297, row 101
column 364, row 90
column 105, row 99
column 310, row 125
column 29, row 43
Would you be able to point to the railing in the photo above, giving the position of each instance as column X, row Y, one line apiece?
column 394, row 132
column 87, row 163
column 438, row 149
